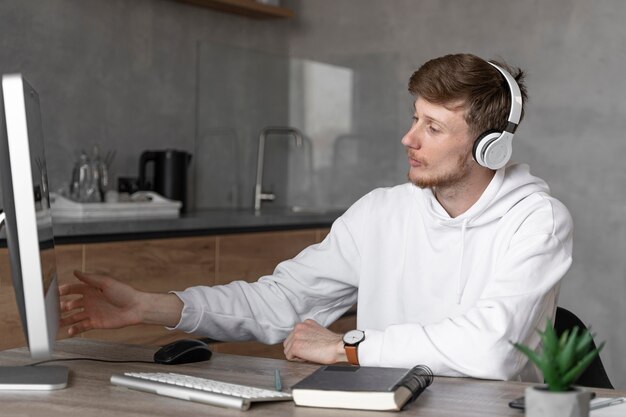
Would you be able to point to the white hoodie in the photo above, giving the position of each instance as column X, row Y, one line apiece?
column 450, row 293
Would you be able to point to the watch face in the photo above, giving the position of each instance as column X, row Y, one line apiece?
column 353, row 337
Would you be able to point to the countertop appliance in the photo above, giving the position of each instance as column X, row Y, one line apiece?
column 169, row 174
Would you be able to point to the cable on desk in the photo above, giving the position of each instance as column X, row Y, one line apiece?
column 86, row 359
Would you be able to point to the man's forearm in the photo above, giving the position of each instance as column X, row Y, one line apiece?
column 161, row 309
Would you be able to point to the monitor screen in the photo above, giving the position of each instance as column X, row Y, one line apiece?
column 28, row 219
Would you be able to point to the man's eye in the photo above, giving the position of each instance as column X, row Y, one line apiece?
column 433, row 129
column 413, row 120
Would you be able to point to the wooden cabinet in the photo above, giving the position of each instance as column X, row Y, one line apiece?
column 11, row 334
column 162, row 265
column 249, row 256
column 158, row 265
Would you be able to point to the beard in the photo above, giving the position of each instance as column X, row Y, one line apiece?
column 446, row 179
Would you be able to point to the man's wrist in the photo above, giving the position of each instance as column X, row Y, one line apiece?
column 341, row 352
column 161, row 309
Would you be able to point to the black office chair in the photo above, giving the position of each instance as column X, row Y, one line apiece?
column 594, row 376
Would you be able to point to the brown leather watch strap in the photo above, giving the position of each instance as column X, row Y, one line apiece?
column 351, row 353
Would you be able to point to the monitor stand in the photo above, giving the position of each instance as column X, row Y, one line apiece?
column 33, row 378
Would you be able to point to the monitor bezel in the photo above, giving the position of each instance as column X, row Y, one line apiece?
column 39, row 311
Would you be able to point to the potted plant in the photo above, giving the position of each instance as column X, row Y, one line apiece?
column 561, row 361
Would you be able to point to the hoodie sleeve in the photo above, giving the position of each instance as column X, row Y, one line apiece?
column 520, row 295
column 319, row 283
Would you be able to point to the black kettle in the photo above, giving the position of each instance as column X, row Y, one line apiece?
column 169, row 173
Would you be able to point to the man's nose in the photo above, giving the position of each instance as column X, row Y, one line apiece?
column 411, row 138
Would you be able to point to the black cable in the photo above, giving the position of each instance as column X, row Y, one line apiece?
column 87, row 359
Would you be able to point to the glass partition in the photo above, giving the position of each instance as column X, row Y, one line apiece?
column 347, row 112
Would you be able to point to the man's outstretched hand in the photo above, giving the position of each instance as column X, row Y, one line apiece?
column 101, row 302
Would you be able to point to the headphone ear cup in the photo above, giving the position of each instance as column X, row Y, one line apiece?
column 498, row 152
column 481, row 143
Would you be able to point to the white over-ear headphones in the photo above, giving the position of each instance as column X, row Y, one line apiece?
column 492, row 149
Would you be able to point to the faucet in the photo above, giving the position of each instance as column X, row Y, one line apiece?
column 259, row 195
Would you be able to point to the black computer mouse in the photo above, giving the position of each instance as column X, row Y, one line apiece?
column 183, row 351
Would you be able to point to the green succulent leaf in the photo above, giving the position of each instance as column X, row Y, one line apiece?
column 550, row 340
column 580, row 367
column 562, row 359
column 530, row 354
column 551, row 376
column 563, row 339
column 584, row 342
column 567, row 355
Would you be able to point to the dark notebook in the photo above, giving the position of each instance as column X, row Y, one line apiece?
column 362, row 387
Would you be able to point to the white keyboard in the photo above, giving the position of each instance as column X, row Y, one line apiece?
column 202, row 390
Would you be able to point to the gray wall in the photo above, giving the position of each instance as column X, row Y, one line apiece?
column 135, row 74
column 120, row 73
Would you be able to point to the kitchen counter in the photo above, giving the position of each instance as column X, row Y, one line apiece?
column 195, row 223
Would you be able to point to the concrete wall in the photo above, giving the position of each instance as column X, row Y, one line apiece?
column 574, row 132
column 136, row 74
column 122, row 74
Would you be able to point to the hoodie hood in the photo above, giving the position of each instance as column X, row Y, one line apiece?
column 509, row 186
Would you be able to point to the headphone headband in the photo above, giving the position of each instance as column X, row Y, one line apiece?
column 516, row 99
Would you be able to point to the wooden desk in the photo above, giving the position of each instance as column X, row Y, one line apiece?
column 90, row 393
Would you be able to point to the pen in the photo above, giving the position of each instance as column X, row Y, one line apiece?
column 607, row 403
column 277, row 383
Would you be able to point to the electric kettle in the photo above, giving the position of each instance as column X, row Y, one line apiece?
column 169, row 173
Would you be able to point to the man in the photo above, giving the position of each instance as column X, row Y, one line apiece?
column 446, row 269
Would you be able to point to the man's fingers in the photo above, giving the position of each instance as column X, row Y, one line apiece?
column 80, row 327
column 78, row 323
column 71, row 305
column 288, row 339
column 290, row 354
column 89, row 279
column 287, row 348
column 296, row 341
column 69, row 289
column 72, row 319
column 66, row 321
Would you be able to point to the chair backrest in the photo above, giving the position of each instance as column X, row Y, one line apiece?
column 595, row 375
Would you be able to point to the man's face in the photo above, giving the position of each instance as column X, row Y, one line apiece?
column 438, row 145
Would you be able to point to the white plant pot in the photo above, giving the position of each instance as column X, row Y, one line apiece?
column 543, row 403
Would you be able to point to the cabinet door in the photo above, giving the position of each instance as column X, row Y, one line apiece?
column 248, row 256
column 68, row 258
column 159, row 265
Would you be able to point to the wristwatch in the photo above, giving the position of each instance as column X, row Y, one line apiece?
column 351, row 342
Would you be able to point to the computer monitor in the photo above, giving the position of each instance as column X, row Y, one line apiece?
column 30, row 241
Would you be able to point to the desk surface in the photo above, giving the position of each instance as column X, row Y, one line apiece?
column 89, row 392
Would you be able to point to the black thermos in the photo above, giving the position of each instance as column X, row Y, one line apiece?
column 170, row 173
